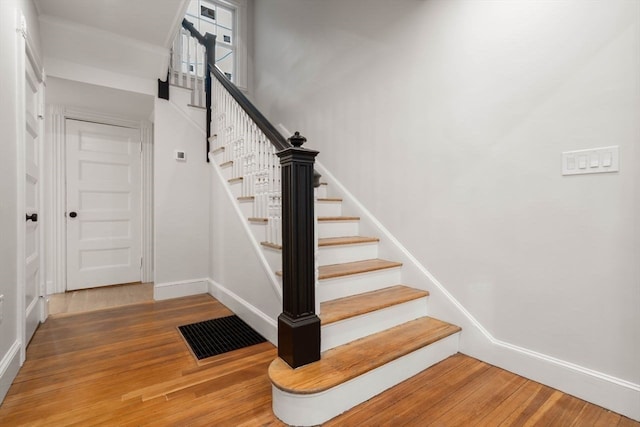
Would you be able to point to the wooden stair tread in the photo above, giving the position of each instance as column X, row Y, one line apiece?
column 356, row 358
column 226, row 164
column 217, row 150
column 233, row 180
column 329, row 199
column 332, row 241
column 356, row 305
column 355, row 267
column 271, row 245
column 258, row 220
column 346, row 240
column 338, row 218
column 246, row 198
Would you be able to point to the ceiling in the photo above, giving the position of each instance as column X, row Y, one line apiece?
column 113, row 43
column 149, row 21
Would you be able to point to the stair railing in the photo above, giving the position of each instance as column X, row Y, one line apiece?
column 188, row 66
column 279, row 174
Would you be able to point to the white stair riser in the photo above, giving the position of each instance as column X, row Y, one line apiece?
column 345, row 331
column 246, row 207
column 328, row 255
column 226, row 171
column 236, row 188
column 217, row 156
column 274, row 258
column 330, row 289
column 328, row 208
column 321, row 192
column 259, row 231
column 315, row 409
column 337, row 228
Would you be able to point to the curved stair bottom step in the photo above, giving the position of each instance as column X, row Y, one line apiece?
column 317, row 408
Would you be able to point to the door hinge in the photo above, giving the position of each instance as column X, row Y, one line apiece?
column 141, row 146
column 140, row 262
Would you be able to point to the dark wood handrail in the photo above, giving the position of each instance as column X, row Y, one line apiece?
column 260, row 120
column 272, row 134
column 187, row 25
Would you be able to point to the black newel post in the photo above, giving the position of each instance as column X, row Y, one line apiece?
column 210, row 48
column 298, row 325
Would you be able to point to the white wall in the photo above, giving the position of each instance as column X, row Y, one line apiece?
column 181, row 203
column 8, row 180
column 241, row 279
column 467, row 107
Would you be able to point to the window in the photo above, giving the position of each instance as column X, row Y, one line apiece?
column 227, row 20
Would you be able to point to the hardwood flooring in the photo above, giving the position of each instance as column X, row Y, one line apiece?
column 129, row 366
column 98, row 298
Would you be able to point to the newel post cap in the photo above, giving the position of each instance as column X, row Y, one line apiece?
column 297, row 140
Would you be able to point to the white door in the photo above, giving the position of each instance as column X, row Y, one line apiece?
column 32, row 231
column 103, row 204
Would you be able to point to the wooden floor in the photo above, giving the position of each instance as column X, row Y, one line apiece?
column 84, row 300
column 129, row 366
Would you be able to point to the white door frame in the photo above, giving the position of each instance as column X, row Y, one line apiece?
column 26, row 52
column 56, row 116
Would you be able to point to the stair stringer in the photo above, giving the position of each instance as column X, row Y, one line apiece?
column 244, row 283
column 596, row 387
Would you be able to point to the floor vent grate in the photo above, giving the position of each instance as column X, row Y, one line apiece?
column 217, row 336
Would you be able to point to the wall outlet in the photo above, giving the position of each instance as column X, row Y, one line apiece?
column 1, row 307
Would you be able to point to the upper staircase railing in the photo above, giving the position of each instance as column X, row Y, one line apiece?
column 276, row 172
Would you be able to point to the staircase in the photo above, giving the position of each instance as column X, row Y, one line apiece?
column 375, row 329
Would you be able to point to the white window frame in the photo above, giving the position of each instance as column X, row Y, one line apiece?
column 240, row 35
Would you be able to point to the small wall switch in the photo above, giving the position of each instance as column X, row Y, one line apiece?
column 595, row 160
column 181, row 156
column 582, row 162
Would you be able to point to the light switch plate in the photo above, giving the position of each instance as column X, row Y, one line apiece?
column 594, row 160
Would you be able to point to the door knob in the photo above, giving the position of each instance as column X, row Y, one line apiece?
column 73, row 214
column 33, row 217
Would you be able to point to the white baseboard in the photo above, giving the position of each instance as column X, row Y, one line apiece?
column 596, row 387
column 183, row 288
column 258, row 320
column 9, row 367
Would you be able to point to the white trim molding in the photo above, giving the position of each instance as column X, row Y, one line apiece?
column 181, row 288
column 254, row 317
column 57, row 224
column 55, row 136
column 146, row 130
column 596, row 387
column 9, row 367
